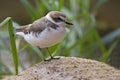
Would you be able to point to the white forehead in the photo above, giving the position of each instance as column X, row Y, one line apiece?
column 49, row 18
column 58, row 23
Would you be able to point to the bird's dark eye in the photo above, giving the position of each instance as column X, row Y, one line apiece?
column 57, row 19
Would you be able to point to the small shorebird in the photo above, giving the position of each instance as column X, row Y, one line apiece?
column 46, row 31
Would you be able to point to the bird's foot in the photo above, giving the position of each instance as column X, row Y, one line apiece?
column 51, row 58
column 55, row 57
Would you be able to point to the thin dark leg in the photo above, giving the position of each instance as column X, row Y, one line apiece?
column 50, row 54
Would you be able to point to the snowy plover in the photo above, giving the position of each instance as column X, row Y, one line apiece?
column 46, row 31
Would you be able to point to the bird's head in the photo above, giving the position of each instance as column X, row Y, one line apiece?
column 58, row 18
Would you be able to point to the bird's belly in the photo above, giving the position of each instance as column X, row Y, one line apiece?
column 47, row 38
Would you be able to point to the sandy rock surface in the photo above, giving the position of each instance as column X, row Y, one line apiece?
column 69, row 68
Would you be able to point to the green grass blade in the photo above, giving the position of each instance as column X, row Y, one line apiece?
column 100, row 43
column 12, row 41
column 30, row 9
column 99, row 4
column 13, row 45
column 61, row 4
column 105, row 57
column 4, row 22
column 46, row 4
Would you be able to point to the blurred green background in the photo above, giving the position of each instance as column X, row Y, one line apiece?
column 94, row 35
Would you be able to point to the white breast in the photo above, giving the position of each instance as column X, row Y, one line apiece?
column 47, row 38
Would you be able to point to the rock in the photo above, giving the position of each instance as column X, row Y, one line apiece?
column 69, row 68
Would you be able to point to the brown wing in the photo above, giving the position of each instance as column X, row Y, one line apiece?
column 36, row 26
column 41, row 24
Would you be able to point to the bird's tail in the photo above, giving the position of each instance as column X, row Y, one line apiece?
column 20, row 31
column 20, row 34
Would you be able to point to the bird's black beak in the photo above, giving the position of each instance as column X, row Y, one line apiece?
column 68, row 23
